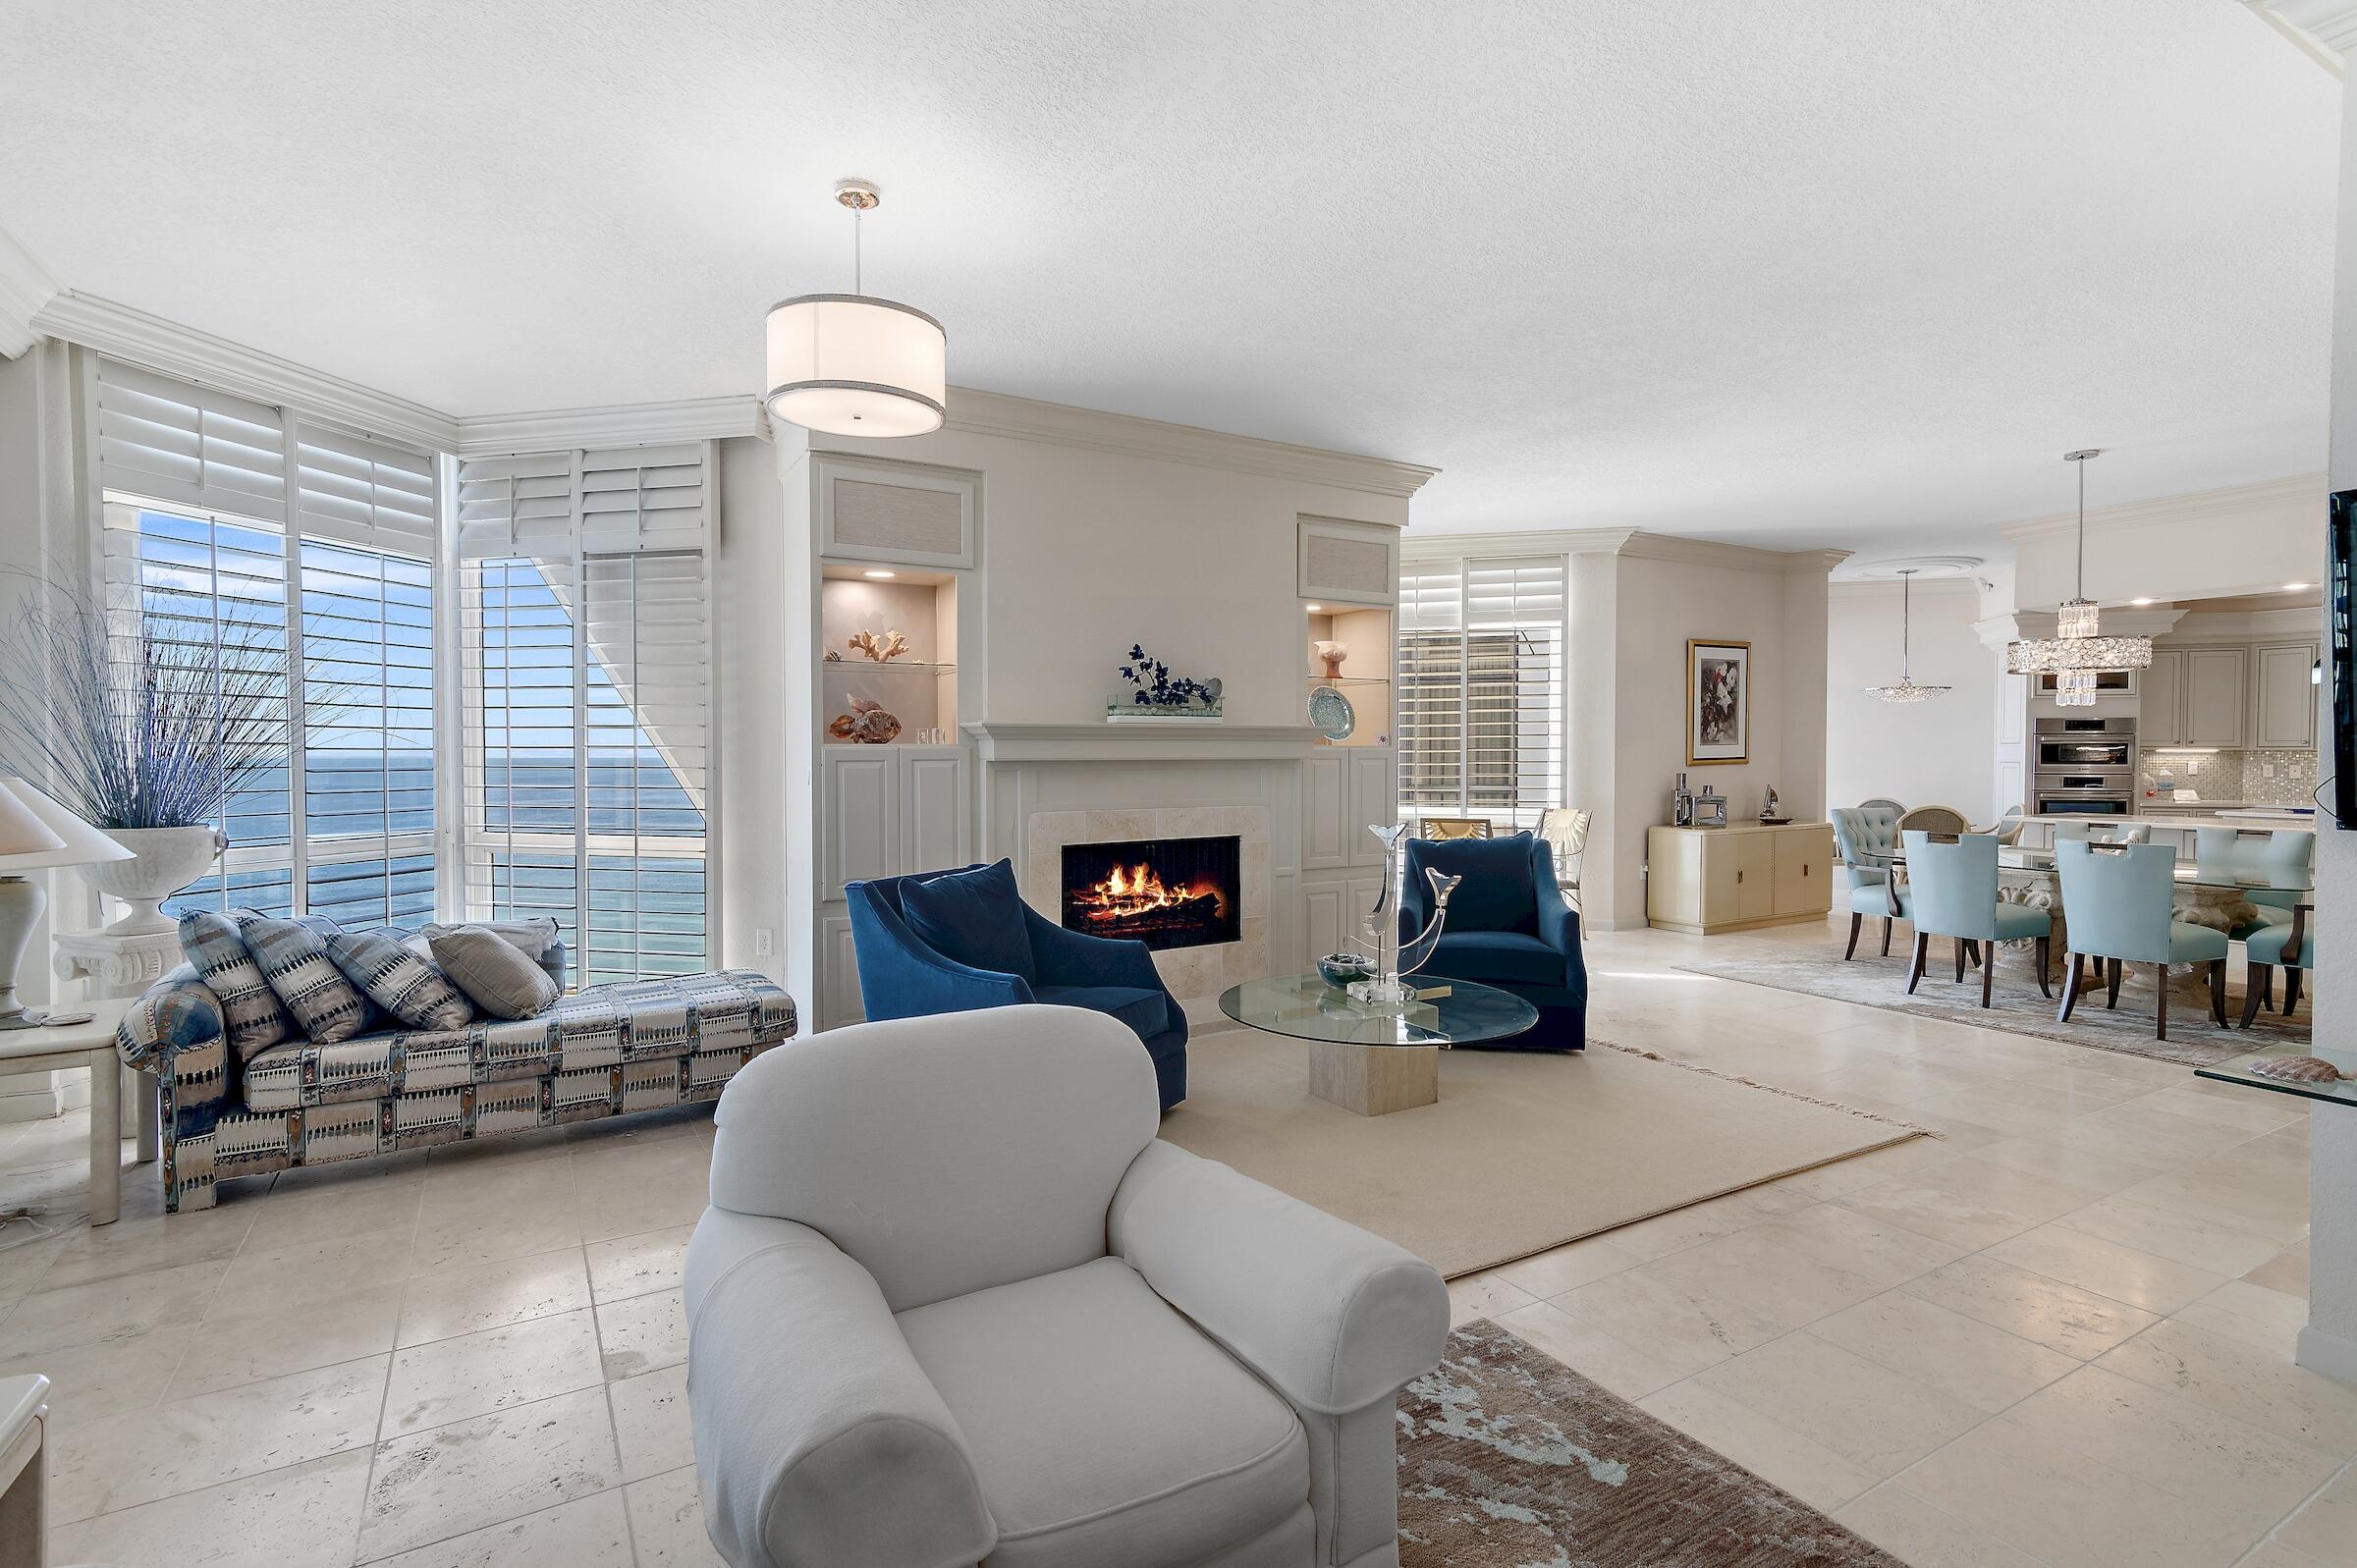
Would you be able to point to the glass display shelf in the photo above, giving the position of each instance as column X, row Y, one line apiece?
column 1348, row 680
column 2237, row 1071
column 868, row 667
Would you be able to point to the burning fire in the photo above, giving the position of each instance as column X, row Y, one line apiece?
column 1132, row 891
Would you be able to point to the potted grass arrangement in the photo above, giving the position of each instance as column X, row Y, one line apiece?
column 146, row 719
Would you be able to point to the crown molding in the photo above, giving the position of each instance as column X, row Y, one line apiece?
column 135, row 336
column 1491, row 546
column 1685, row 552
column 993, row 413
column 2234, row 626
column 2202, row 506
column 2324, row 30
column 626, row 424
column 25, row 288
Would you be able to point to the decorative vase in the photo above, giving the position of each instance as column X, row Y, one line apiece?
column 1334, row 653
column 163, row 861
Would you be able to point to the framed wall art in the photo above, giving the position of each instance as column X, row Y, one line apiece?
column 1718, row 701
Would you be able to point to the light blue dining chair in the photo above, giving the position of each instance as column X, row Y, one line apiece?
column 2293, row 945
column 1951, row 882
column 2258, row 852
column 2118, row 908
column 1864, row 836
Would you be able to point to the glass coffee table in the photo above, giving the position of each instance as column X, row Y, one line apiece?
column 1376, row 1061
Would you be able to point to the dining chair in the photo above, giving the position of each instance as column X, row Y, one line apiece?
column 2006, row 830
column 2293, row 947
column 1864, row 835
column 1951, row 878
column 2118, row 908
column 1565, row 830
column 1935, row 818
column 1884, row 804
column 1453, row 828
column 2259, row 852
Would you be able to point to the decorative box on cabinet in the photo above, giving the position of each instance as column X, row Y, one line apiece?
column 1707, row 880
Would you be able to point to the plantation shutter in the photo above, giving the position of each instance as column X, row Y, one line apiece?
column 587, row 764
column 1430, row 727
column 1513, row 687
column 171, row 441
column 361, row 492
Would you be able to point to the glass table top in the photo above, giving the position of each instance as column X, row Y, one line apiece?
column 2189, row 873
column 1306, row 1007
column 2237, row 1071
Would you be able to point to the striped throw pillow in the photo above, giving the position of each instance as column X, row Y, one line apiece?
column 293, row 957
column 251, row 1011
column 396, row 979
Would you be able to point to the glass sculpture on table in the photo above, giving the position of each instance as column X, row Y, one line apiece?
column 1394, row 960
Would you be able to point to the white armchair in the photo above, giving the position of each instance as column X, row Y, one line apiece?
column 954, row 1303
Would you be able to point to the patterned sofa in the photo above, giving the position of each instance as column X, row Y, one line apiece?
column 603, row 1052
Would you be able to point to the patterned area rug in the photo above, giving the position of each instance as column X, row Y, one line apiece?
column 1878, row 982
column 1507, row 1458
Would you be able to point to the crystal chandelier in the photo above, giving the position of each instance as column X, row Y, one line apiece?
column 2077, row 651
column 1906, row 690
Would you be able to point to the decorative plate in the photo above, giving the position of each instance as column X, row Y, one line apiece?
column 1331, row 712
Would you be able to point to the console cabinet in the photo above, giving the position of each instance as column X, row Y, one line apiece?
column 1706, row 880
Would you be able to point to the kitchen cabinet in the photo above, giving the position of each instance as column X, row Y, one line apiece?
column 2282, row 683
column 1707, row 880
column 2215, row 701
column 2160, row 702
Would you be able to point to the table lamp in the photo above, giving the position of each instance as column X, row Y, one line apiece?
column 36, row 833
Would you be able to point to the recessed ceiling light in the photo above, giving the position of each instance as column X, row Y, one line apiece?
column 881, row 575
column 2140, row 601
column 1313, row 608
column 2295, row 587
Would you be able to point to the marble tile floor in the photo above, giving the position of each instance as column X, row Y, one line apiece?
column 2058, row 1334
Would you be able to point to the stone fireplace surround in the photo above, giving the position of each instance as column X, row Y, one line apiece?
column 1046, row 786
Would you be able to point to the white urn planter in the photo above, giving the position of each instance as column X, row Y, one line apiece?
column 163, row 861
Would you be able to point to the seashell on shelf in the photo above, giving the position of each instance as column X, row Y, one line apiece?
column 2296, row 1070
column 867, row 724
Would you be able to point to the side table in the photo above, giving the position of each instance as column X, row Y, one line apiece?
column 122, row 966
column 90, row 1045
column 24, row 1471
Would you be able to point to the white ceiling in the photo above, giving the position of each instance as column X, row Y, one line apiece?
column 1842, row 273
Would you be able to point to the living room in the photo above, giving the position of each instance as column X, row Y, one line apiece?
column 912, row 787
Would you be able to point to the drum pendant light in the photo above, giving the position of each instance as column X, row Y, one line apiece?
column 850, row 365
column 2077, row 651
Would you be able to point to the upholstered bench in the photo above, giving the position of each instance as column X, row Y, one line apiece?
column 607, row 1051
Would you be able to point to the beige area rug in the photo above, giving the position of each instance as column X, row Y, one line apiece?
column 1507, row 1457
column 1522, row 1153
column 2015, row 1006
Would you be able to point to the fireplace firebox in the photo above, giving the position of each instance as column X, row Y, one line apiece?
column 1166, row 892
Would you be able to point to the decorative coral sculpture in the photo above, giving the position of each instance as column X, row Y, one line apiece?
column 867, row 724
column 880, row 649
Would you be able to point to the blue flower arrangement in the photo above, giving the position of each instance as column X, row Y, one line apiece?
column 1157, row 690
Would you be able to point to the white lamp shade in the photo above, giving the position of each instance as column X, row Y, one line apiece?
column 851, row 365
column 20, row 832
column 77, row 842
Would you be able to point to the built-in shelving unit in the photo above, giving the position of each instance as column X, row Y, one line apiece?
column 918, row 686
column 1365, row 681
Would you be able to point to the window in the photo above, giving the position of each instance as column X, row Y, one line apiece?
column 345, row 826
column 1480, row 690
column 584, row 627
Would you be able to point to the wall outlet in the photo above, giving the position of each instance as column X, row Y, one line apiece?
column 765, row 942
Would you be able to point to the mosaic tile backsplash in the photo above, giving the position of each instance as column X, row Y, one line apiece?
column 2257, row 777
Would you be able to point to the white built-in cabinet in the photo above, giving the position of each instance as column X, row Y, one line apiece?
column 2232, row 697
column 1343, row 791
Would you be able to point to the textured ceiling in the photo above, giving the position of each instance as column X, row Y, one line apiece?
column 1847, row 273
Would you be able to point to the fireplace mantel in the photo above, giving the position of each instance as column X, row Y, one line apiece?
column 1148, row 741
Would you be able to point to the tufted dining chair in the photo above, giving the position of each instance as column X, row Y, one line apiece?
column 1866, row 838
column 1952, row 879
column 2118, row 908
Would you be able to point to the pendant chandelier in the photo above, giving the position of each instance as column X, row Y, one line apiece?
column 850, row 365
column 1907, row 690
column 2077, row 651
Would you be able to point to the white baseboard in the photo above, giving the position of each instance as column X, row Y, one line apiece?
column 34, row 1097
column 2328, row 1353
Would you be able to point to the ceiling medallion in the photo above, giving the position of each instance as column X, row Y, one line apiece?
column 2077, row 651
column 1907, row 690
column 850, row 365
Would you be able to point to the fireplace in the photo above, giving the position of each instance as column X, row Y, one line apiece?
column 1166, row 892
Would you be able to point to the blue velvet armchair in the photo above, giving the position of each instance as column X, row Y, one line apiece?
column 1508, row 926
column 903, row 975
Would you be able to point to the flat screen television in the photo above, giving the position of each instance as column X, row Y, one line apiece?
column 2343, row 653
